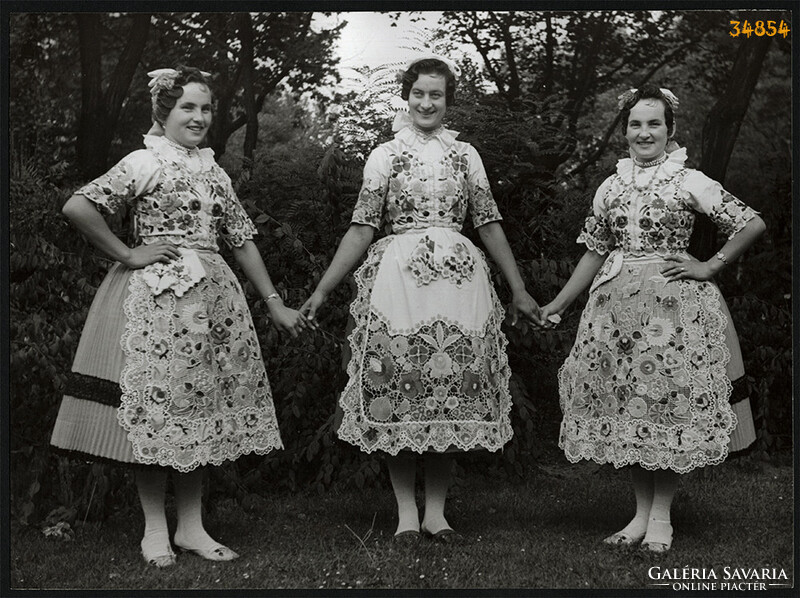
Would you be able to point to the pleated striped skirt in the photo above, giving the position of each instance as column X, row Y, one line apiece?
column 87, row 419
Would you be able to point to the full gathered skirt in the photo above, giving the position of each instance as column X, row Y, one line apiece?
column 648, row 380
column 168, row 380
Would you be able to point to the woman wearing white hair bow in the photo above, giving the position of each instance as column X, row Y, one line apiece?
column 648, row 382
column 168, row 374
column 428, row 373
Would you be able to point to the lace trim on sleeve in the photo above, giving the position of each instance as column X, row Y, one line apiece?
column 236, row 226
column 134, row 175
column 369, row 205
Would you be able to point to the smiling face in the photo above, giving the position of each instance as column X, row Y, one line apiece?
column 188, row 122
column 426, row 101
column 647, row 133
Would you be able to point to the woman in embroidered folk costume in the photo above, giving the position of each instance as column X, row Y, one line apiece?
column 428, row 372
column 168, row 373
column 648, row 381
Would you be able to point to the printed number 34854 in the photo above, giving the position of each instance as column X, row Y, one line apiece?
column 760, row 29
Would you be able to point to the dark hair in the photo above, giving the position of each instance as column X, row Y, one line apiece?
column 643, row 93
column 167, row 98
column 430, row 66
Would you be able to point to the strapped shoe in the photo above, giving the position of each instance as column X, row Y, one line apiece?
column 623, row 538
column 659, row 536
column 157, row 556
column 212, row 552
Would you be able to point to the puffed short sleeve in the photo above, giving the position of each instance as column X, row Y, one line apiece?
column 704, row 194
column 133, row 176
column 372, row 197
column 235, row 227
column 482, row 206
column 597, row 234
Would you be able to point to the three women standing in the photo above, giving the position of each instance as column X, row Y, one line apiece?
column 168, row 373
column 169, row 376
column 428, row 373
column 648, row 380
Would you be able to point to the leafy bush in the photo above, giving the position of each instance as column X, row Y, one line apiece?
column 53, row 276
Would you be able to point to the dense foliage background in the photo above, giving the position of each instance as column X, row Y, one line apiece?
column 539, row 104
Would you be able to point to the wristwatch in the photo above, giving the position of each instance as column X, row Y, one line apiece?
column 273, row 296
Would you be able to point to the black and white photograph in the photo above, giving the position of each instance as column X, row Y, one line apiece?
column 398, row 298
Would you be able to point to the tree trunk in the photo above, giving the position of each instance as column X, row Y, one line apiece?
column 91, row 124
column 550, row 42
column 225, row 92
column 249, row 97
column 723, row 122
column 511, row 59
column 100, row 112
column 224, row 125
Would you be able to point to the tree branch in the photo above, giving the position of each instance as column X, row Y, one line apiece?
column 197, row 29
column 484, row 52
column 601, row 148
column 126, row 66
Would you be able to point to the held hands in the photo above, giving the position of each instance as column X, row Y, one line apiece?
column 550, row 316
column 686, row 268
column 144, row 255
column 523, row 303
column 287, row 319
column 310, row 307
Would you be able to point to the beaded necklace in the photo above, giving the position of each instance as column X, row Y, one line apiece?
column 654, row 162
column 657, row 163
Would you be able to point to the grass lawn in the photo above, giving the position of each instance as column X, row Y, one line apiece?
column 544, row 532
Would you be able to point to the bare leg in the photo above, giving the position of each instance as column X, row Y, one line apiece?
column 403, row 472
column 191, row 535
column 636, row 528
column 659, row 526
column 437, row 481
column 151, row 485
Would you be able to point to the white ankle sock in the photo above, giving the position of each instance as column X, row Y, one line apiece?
column 402, row 472
column 437, row 482
column 188, row 502
column 151, row 486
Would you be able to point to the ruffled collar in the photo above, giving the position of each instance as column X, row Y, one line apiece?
column 674, row 163
column 405, row 131
column 175, row 151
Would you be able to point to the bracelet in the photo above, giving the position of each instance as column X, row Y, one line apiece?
column 273, row 296
column 721, row 257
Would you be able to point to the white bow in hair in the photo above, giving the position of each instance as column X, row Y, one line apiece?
column 165, row 79
column 626, row 97
column 431, row 55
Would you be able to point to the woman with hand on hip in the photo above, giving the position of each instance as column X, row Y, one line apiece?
column 168, row 375
column 428, row 373
column 648, row 381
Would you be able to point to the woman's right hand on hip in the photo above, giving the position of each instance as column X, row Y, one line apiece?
column 144, row 255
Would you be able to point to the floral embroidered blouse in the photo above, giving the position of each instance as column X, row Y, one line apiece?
column 420, row 180
column 646, row 211
column 177, row 194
